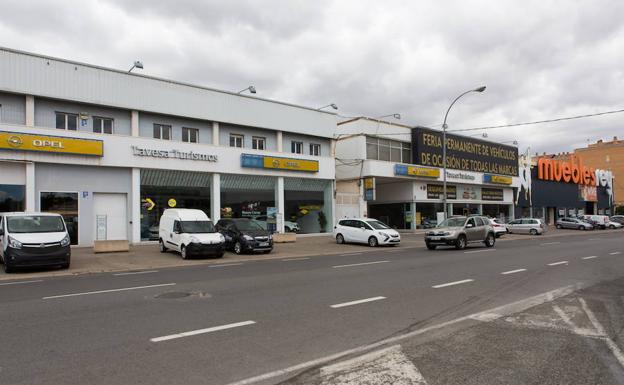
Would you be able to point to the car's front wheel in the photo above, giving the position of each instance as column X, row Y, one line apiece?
column 558, row 226
column 340, row 239
column 490, row 240
column 373, row 242
column 533, row 232
column 7, row 268
column 238, row 248
column 461, row 242
column 161, row 246
column 430, row 246
column 183, row 252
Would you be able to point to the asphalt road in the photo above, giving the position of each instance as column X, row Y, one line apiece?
column 257, row 318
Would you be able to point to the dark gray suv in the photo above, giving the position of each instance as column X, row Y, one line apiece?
column 460, row 231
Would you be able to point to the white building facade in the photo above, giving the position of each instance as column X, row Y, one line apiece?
column 385, row 171
column 111, row 150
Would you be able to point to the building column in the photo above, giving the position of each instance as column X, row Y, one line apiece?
column 480, row 209
column 134, row 123
column 135, row 201
column 215, row 133
column 280, row 141
column 31, row 203
column 279, row 203
column 449, row 209
column 332, row 148
column 30, row 110
column 215, row 197
column 413, row 210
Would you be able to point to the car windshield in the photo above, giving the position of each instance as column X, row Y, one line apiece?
column 248, row 225
column 453, row 222
column 35, row 224
column 197, row 227
column 377, row 225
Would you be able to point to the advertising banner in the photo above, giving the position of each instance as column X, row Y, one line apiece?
column 49, row 143
column 491, row 194
column 434, row 191
column 588, row 193
column 463, row 153
column 402, row 169
column 369, row 189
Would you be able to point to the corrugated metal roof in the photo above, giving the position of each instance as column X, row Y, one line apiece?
column 304, row 184
column 151, row 177
column 247, row 182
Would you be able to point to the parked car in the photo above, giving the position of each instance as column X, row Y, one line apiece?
column 245, row 235
column 573, row 223
column 33, row 240
column 500, row 228
column 613, row 225
column 599, row 221
column 461, row 231
column 618, row 219
column 365, row 230
column 190, row 232
column 289, row 226
column 533, row 226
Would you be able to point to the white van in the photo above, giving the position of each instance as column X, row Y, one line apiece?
column 190, row 232
column 33, row 240
column 600, row 221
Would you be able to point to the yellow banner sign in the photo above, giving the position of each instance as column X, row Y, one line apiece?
column 291, row 164
column 46, row 143
column 499, row 179
column 423, row 171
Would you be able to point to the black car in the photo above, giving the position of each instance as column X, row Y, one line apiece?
column 245, row 235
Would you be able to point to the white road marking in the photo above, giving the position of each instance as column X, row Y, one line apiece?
column 359, row 301
column 295, row 259
column 347, row 254
column 590, row 257
column 558, row 263
column 478, row 251
column 201, row 331
column 386, row 366
column 513, row 271
column 549, row 243
column 19, row 282
column 226, row 264
column 136, row 272
column 107, row 291
column 500, row 311
column 615, row 349
column 452, row 283
column 615, row 253
column 359, row 264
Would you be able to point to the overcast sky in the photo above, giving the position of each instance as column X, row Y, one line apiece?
column 539, row 59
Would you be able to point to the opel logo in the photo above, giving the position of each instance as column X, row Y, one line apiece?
column 276, row 163
column 14, row 141
column 42, row 245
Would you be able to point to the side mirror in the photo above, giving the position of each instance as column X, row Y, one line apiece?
column 469, row 225
column 363, row 228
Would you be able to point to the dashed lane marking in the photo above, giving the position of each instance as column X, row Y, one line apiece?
column 226, row 264
column 615, row 253
column 295, row 259
column 357, row 302
column 359, row 264
column 136, row 272
column 513, row 271
column 590, row 257
column 201, row 331
column 549, row 243
column 452, row 283
column 558, row 263
column 478, row 251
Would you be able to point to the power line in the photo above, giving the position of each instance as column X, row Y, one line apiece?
column 540, row 121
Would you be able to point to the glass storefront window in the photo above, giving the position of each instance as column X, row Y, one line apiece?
column 66, row 204
column 497, row 211
column 162, row 189
column 12, row 197
column 427, row 214
column 249, row 196
column 465, row 209
column 307, row 205
column 392, row 214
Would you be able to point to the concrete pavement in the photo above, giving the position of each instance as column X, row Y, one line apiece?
column 230, row 322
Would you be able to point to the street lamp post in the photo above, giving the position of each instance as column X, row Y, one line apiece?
column 444, row 127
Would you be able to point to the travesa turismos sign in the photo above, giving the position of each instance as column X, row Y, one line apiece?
column 173, row 153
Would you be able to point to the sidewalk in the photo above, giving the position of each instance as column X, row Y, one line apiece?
column 148, row 257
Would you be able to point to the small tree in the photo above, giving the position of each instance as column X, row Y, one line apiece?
column 322, row 220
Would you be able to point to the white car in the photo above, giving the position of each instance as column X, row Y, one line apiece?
column 500, row 228
column 289, row 226
column 613, row 225
column 190, row 232
column 365, row 230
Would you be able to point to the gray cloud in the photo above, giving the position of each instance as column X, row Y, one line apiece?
column 539, row 59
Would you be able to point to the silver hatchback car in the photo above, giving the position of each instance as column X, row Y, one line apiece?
column 531, row 226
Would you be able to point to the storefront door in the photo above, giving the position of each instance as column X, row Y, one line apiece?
column 66, row 204
column 111, row 222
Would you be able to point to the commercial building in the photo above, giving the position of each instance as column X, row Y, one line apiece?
column 110, row 150
column 393, row 172
column 560, row 185
column 607, row 156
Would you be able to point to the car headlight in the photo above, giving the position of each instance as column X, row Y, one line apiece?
column 195, row 240
column 385, row 235
column 14, row 243
column 247, row 237
column 446, row 233
column 270, row 237
column 221, row 238
column 65, row 241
